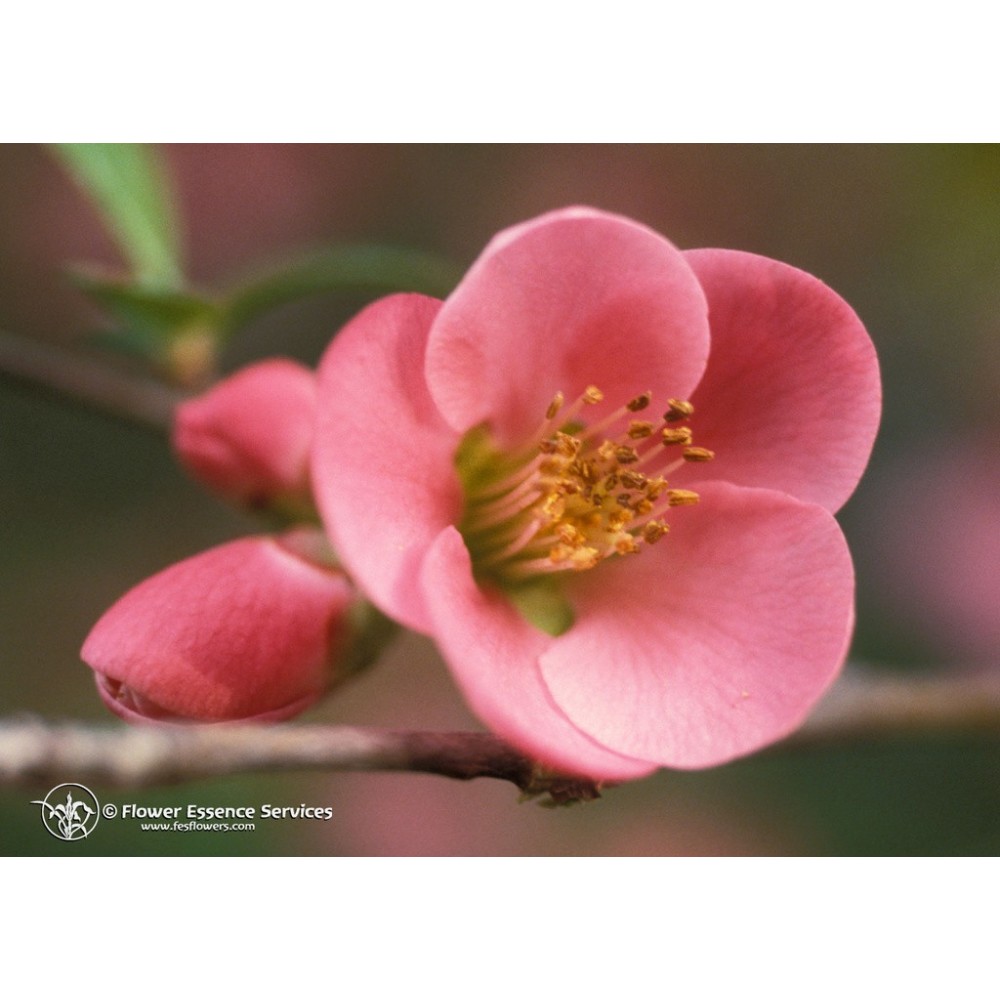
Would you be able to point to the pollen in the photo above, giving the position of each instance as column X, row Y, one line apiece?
column 577, row 492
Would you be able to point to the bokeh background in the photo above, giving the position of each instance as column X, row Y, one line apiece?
column 907, row 234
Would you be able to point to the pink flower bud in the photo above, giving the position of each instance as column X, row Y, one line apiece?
column 248, row 437
column 247, row 630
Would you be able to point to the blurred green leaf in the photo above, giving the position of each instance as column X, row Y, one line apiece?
column 129, row 186
column 177, row 331
column 158, row 312
column 345, row 268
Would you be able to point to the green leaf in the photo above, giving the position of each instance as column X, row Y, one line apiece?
column 157, row 312
column 177, row 331
column 129, row 186
column 341, row 268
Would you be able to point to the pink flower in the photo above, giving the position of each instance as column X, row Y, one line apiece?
column 497, row 462
column 248, row 630
column 248, row 437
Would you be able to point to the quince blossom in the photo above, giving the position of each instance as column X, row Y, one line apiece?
column 602, row 476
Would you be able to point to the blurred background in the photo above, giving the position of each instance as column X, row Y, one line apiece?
column 909, row 235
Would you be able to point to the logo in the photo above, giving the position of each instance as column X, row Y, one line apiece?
column 70, row 811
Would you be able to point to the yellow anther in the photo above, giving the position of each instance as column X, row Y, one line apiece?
column 561, row 553
column 619, row 519
column 676, row 435
column 640, row 429
column 698, row 455
column 656, row 487
column 654, row 531
column 642, row 506
column 584, row 558
column 592, row 395
column 585, row 470
column 555, row 406
column 682, row 498
column 678, row 409
column 625, row 546
column 633, row 480
column 569, row 535
column 554, row 506
column 626, row 455
column 640, row 402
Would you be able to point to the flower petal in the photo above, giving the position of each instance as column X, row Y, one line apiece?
column 383, row 461
column 493, row 653
column 573, row 298
column 243, row 630
column 248, row 437
column 791, row 398
column 717, row 641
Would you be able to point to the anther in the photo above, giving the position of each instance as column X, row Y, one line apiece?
column 592, row 395
column 640, row 402
column 656, row 487
column 676, row 435
column 626, row 455
column 678, row 409
column 555, row 406
column 633, row 480
column 639, row 429
column 698, row 455
column 682, row 498
column 653, row 531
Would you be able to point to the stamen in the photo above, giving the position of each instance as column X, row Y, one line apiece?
column 653, row 531
column 676, row 435
column 682, row 498
column 639, row 429
column 512, row 548
column 571, row 497
column 678, row 409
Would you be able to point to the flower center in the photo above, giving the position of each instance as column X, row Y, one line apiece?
column 574, row 494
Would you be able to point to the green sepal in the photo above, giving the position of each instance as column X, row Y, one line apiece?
column 543, row 604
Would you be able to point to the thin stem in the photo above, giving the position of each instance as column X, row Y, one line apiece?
column 84, row 379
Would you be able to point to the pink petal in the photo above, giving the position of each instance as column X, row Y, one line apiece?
column 573, row 298
column 383, row 463
column 717, row 641
column 248, row 437
column 243, row 630
column 791, row 398
column 493, row 653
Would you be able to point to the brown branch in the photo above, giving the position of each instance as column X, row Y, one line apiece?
column 88, row 379
column 866, row 705
column 33, row 752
